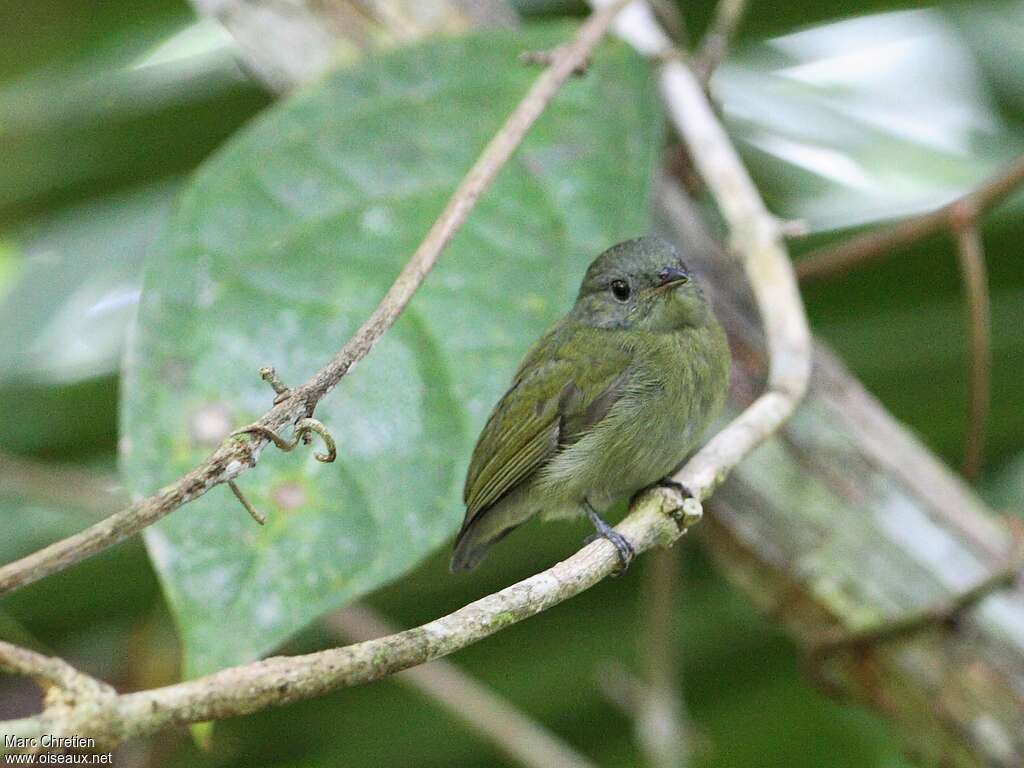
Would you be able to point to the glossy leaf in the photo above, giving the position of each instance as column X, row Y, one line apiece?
column 284, row 242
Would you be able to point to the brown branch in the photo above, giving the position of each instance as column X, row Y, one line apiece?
column 522, row 739
column 239, row 453
column 658, row 517
column 283, row 680
column 718, row 38
column 876, row 244
column 961, row 217
column 971, row 256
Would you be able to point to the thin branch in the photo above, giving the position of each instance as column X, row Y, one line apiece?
column 718, row 38
column 254, row 513
column 671, row 18
column 961, row 217
column 658, row 517
column 522, row 739
column 874, row 245
column 283, row 680
column 239, row 453
column 979, row 323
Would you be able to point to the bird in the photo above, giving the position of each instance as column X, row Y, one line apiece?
column 610, row 400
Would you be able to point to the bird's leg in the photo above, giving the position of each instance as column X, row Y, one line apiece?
column 605, row 531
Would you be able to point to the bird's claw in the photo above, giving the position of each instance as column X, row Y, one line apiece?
column 668, row 482
column 623, row 547
column 620, row 542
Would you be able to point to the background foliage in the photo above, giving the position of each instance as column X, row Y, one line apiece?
column 106, row 107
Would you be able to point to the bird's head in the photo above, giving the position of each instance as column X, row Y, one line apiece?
column 642, row 284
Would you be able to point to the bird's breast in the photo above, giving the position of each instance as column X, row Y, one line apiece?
column 676, row 389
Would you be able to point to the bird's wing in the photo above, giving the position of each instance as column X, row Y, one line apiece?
column 556, row 396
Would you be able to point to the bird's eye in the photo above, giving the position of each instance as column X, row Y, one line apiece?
column 620, row 290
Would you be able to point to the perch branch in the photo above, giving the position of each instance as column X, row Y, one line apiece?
column 871, row 246
column 658, row 517
column 522, row 739
column 239, row 453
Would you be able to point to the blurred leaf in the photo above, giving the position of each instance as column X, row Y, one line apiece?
column 29, row 526
column 995, row 32
column 58, row 34
column 865, row 119
column 66, row 422
column 1005, row 490
column 141, row 103
column 281, row 247
column 67, row 308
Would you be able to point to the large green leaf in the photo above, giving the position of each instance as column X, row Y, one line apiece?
column 284, row 242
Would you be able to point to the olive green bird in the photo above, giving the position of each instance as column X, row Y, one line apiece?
column 610, row 400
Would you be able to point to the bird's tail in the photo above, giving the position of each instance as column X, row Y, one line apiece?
column 474, row 541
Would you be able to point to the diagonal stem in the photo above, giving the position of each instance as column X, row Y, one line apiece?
column 971, row 256
column 717, row 40
column 874, row 245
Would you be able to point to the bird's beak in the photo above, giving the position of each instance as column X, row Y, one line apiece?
column 670, row 277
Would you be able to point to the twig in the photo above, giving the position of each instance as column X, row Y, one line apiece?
column 660, row 722
column 718, row 38
column 658, row 517
column 47, row 670
column 239, row 453
column 544, row 59
column 871, row 246
column 254, row 513
column 962, row 218
column 671, row 18
column 522, row 739
column 979, row 323
column 269, row 375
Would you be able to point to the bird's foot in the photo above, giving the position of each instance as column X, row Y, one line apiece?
column 666, row 482
column 620, row 542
